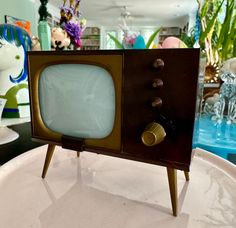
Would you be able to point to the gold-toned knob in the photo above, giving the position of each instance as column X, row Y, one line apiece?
column 158, row 64
column 153, row 134
column 157, row 83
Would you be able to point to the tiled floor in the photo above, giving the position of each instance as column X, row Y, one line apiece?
column 96, row 191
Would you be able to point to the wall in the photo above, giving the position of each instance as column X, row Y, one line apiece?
column 24, row 9
column 192, row 21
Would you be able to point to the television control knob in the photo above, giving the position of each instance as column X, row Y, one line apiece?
column 157, row 83
column 158, row 64
column 157, row 102
column 153, row 134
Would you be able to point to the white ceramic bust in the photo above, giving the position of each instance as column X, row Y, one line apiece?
column 14, row 42
column 12, row 63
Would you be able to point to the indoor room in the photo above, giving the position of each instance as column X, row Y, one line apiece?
column 118, row 113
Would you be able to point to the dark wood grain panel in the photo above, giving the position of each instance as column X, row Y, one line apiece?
column 178, row 95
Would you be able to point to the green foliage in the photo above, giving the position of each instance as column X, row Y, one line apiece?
column 221, row 34
column 119, row 45
column 227, row 34
column 210, row 24
column 117, row 42
column 152, row 37
column 204, row 9
column 188, row 39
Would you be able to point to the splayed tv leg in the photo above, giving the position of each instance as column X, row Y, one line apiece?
column 48, row 158
column 172, row 178
column 186, row 174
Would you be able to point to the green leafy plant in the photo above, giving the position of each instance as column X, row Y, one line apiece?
column 152, row 37
column 119, row 45
column 218, row 30
column 188, row 39
column 218, row 34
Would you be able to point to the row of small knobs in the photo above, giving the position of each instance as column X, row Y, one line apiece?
column 154, row 133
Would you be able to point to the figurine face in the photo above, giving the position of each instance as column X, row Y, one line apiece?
column 11, row 56
column 14, row 42
column 59, row 39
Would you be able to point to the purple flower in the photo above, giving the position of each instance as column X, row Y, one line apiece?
column 74, row 31
column 63, row 8
column 67, row 10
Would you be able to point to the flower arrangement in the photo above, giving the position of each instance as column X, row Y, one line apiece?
column 133, row 40
column 129, row 40
column 70, row 21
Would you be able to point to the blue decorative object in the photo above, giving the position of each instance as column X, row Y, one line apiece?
column 197, row 30
column 43, row 27
column 215, row 129
column 216, row 138
column 139, row 43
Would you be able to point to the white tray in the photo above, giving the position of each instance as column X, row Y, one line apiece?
column 102, row 192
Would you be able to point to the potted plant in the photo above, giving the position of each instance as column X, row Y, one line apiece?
column 215, row 33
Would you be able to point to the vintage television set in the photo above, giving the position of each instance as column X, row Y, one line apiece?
column 133, row 104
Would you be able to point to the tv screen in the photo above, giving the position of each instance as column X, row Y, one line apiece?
column 77, row 100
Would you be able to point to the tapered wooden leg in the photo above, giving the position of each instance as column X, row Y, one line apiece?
column 78, row 153
column 172, row 178
column 48, row 158
column 186, row 174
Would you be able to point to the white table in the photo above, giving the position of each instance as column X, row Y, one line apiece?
column 96, row 191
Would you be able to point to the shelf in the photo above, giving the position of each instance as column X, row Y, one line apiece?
column 91, row 38
column 212, row 85
column 168, row 31
column 92, row 31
